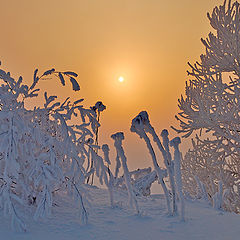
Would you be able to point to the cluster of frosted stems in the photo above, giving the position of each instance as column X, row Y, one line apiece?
column 141, row 125
column 118, row 138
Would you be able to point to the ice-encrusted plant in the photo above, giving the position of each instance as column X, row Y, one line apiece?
column 110, row 181
column 177, row 174
column 41, row 151
column 164, row 149
column 138, row 127
column 141, row 125
column 97, row 108
column 211, row 109
column 141, row 179
column 118, row 138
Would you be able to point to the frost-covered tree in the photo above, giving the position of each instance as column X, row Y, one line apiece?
column 41, row 151
column 212, row 106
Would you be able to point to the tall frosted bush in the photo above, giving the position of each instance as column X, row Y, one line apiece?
column 41, row 151
column 210, row 108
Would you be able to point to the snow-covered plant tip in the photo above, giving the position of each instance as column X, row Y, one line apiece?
column 33, row 162
column 211, row 104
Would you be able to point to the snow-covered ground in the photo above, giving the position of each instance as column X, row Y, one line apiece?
column 121, row 223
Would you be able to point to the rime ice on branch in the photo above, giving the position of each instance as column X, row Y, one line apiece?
column 118, row 138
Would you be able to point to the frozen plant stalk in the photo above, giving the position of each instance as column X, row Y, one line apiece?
column 218, row 197
column 177, row 171
column 168, row 163
column 138, row 127
column 105, row 150
column 164, row 149
column 202, row 193
column 118, row 138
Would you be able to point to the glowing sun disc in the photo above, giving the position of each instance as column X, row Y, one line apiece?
column 121, row 79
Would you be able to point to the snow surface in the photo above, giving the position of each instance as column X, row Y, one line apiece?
column 121, row 223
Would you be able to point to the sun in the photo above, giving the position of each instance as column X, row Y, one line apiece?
column 121, row 79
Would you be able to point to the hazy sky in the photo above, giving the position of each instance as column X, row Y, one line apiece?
column 149, row 42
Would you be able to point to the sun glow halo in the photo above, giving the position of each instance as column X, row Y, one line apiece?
column 121, row 79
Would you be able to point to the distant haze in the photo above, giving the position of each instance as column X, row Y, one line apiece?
column 148, row 42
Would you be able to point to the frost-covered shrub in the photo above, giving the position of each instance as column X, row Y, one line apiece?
column 211, row 105
column 142, row 185
column 141, row 180
column 41, row 151
column 205, row 167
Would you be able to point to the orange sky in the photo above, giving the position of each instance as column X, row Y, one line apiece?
column 147, row 41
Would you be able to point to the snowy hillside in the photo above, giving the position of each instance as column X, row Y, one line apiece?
column 120, row 223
